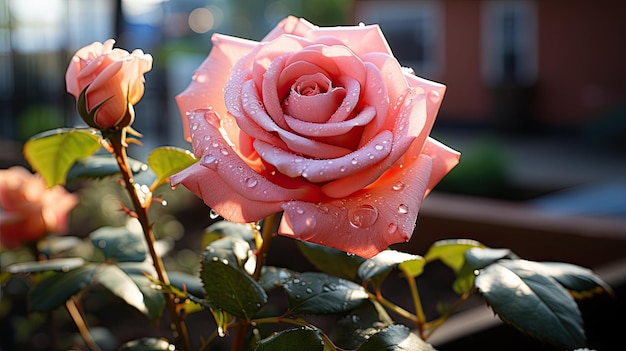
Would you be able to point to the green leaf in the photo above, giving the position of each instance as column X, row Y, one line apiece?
column 475, row 259
column 52, row 153
column 451, row 252
column 355, row 328
column 231, row 249
column 230, row 288
column 331, row 261
column 533, row 303
column 147, row 344
column 222, row 318
column 100, row 166
column 319, row 293
column 153, row 299
column 57, row 264
column 222, row 229
column 119, row 244
column 580, row 281
column 395, row 338
column 52, row 291
column 167, row 160
column 378, row 267
column 274, row 277
column 293, row 339
column 121, row 285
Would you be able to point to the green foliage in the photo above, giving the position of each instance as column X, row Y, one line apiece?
column 532, row 302
column 53, row 290
column 396, row 338
column 119, row 244
column 100, row 166
column 331, row 261
column 319, row 293
column 293, row 339
column 166, row 161
column 376, row 269
column 53, row 153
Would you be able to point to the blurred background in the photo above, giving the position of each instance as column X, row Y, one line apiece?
column 536, row 102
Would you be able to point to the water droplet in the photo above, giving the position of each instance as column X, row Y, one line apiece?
column 215, row 144
column 398, row 186
column 207, row 159
column 309, row 290
column 342, row 169
column 354, row 161
column 221, row 332
column 403, row 209
column 194, row 126
column 213, row 214
column 224, row 151
column 363, row 216
column 251, row 182
column 378, row 147
column 392, row 228
column 298, row 159
column 322, row 208
column 299, row 210
column 296, row 281
column 163, row 202
column 434, row 96
column 214, row 258
column 207, row 137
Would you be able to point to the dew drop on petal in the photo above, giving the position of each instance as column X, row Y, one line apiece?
column 403, row 209
column 378, row 147
column 354, row 161
column 251, row 182
column 208, row 159
column 224, row 151
column 392, row 228
column 322, row 208
column 213, row 214
column 399, row 185
column 299, row 210
column 434, row 96
column 363, row 216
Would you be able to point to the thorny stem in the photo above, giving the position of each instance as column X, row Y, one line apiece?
column 117, row 139
column 267, row 232
column 77, row 317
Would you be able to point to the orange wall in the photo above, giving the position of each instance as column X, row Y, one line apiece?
column 465, row 99
column 582, row 59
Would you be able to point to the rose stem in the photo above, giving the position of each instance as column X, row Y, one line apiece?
column 118, row 143
column 72, row 309
column 267, row 232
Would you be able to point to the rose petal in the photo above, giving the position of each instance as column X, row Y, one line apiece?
column 390, row 69
column 375, row 94
column 366, row 222
column 205, row 89
column 360, row 39
column 353, row 92
column 294, row 70
column 290, row 25
column 331, row 129
column 323, row 170
column 318, row 104
column 434, row 92
column 444, row 159
column 218, row 195
column 408, row 129
column 216, row 154
column 295, row 143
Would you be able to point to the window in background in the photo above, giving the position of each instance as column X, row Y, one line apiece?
column 509, row 41
column 414, row 31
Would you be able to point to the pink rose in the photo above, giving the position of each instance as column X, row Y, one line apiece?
column 321, row 123
column 30, row 210
column 113, row 80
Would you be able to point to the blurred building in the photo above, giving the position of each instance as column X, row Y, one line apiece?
column 513, row 64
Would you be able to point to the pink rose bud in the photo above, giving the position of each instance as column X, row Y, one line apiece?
column 106, row 83
column 321, row 123
column 30, row 210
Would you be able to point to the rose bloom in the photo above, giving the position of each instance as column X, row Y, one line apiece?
column 321, row 123
column 113, row 80
column 29, row 209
